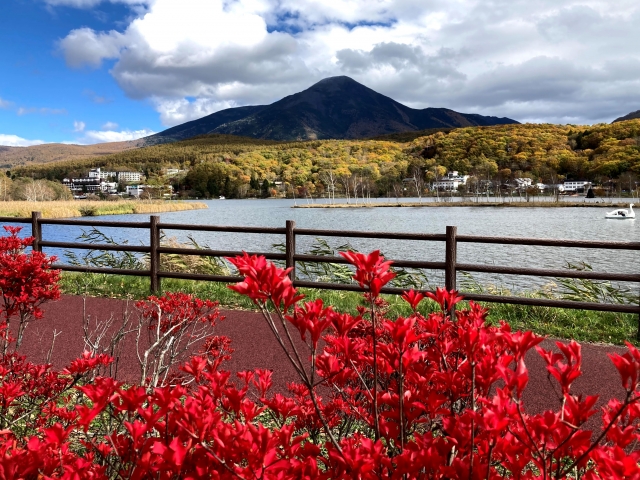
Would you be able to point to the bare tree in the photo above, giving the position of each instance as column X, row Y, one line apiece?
column 106, row 337
column 397, row 190
column 5, row 188
column 330, row 180
column 418, row 182
column 345, row 180
column 37, row 191
column 435, row 173
column 171, row 335
column 354, row 182
column 629, row 179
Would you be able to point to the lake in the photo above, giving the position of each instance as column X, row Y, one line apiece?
column 586, row 223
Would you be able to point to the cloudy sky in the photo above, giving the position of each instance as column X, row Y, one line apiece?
column 89, row 71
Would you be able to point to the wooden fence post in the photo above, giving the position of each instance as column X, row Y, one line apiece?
column 450, row 258
column 154, row 256
column 290, row 248
column 36, row 231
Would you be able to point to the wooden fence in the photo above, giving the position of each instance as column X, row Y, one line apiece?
column 450, row 264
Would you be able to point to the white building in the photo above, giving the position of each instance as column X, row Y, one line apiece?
column 89, row 185
column 451, row 181
column 522, row 183
column 129, row 176
column 135, row 190
column 576, row 186
column 82, row 184
column 97, row 173
column 109, row 187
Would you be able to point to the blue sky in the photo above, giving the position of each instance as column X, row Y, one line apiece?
column 88, row 71
column 43, row 98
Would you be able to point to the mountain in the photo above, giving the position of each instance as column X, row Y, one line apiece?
column 203, row 126
column 53, row 152
column 628, row 116
column 336, row 107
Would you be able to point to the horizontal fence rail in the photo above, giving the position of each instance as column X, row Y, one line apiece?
column 450, row 266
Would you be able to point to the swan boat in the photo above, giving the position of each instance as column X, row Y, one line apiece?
column 622, row 213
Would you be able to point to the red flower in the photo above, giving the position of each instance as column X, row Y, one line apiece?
column 446, row 299
column 372, row 271
column 264, row 281
column 413, row 298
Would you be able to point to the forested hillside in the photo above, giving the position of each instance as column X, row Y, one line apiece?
column 236, row 166
column 539, row 150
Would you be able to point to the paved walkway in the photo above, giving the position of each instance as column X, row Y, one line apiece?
column 255, row 348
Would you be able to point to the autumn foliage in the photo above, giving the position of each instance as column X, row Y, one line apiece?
column 26, row 281
column 417, row 397
column 237, row 166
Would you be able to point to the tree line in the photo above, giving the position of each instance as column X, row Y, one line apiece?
column 236, row 167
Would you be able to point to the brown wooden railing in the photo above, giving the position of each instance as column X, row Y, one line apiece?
column 450, row 264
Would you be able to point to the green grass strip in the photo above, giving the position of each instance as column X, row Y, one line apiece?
column 587, row 326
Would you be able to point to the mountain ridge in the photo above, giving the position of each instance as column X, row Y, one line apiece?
column 628, row 116
column 335, row 107
column 11, row 157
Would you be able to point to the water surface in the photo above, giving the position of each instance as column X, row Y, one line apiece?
column 586, row 223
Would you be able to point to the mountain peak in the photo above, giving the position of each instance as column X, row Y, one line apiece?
column 337, row 79
column 335, row 107
column 340, row 83
column 340, row 80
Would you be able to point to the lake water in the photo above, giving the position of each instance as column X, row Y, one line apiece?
column 562, row 223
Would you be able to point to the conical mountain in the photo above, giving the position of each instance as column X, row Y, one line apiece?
column 628, row 116
column 336, row 107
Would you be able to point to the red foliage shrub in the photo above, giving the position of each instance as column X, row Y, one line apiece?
column 26, row 282
column 411, row 398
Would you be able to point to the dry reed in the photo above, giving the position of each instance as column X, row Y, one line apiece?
column 80, row 208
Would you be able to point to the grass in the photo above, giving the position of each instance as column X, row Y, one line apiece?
column 588, row 326
column 582, row 325
column 88, row 208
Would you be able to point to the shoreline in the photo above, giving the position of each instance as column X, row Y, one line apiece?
column 93, row 208
column 466, row 204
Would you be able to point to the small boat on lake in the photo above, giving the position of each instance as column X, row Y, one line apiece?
column 622, row 213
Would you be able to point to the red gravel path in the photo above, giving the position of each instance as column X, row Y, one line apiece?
column 255, row 348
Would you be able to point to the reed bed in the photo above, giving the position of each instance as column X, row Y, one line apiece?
column 89, row 208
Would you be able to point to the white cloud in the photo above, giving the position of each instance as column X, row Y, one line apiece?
column 175, row 112
column 86, row 47
column 544, row 60
column 16, row 141
column 110, row 126
column 95, row 136
column 4, row 104
column 79, row 126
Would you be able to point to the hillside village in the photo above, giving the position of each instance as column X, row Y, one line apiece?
column 127, row 183
column 130, row 184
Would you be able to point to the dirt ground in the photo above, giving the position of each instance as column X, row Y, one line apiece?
column 254, row 347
